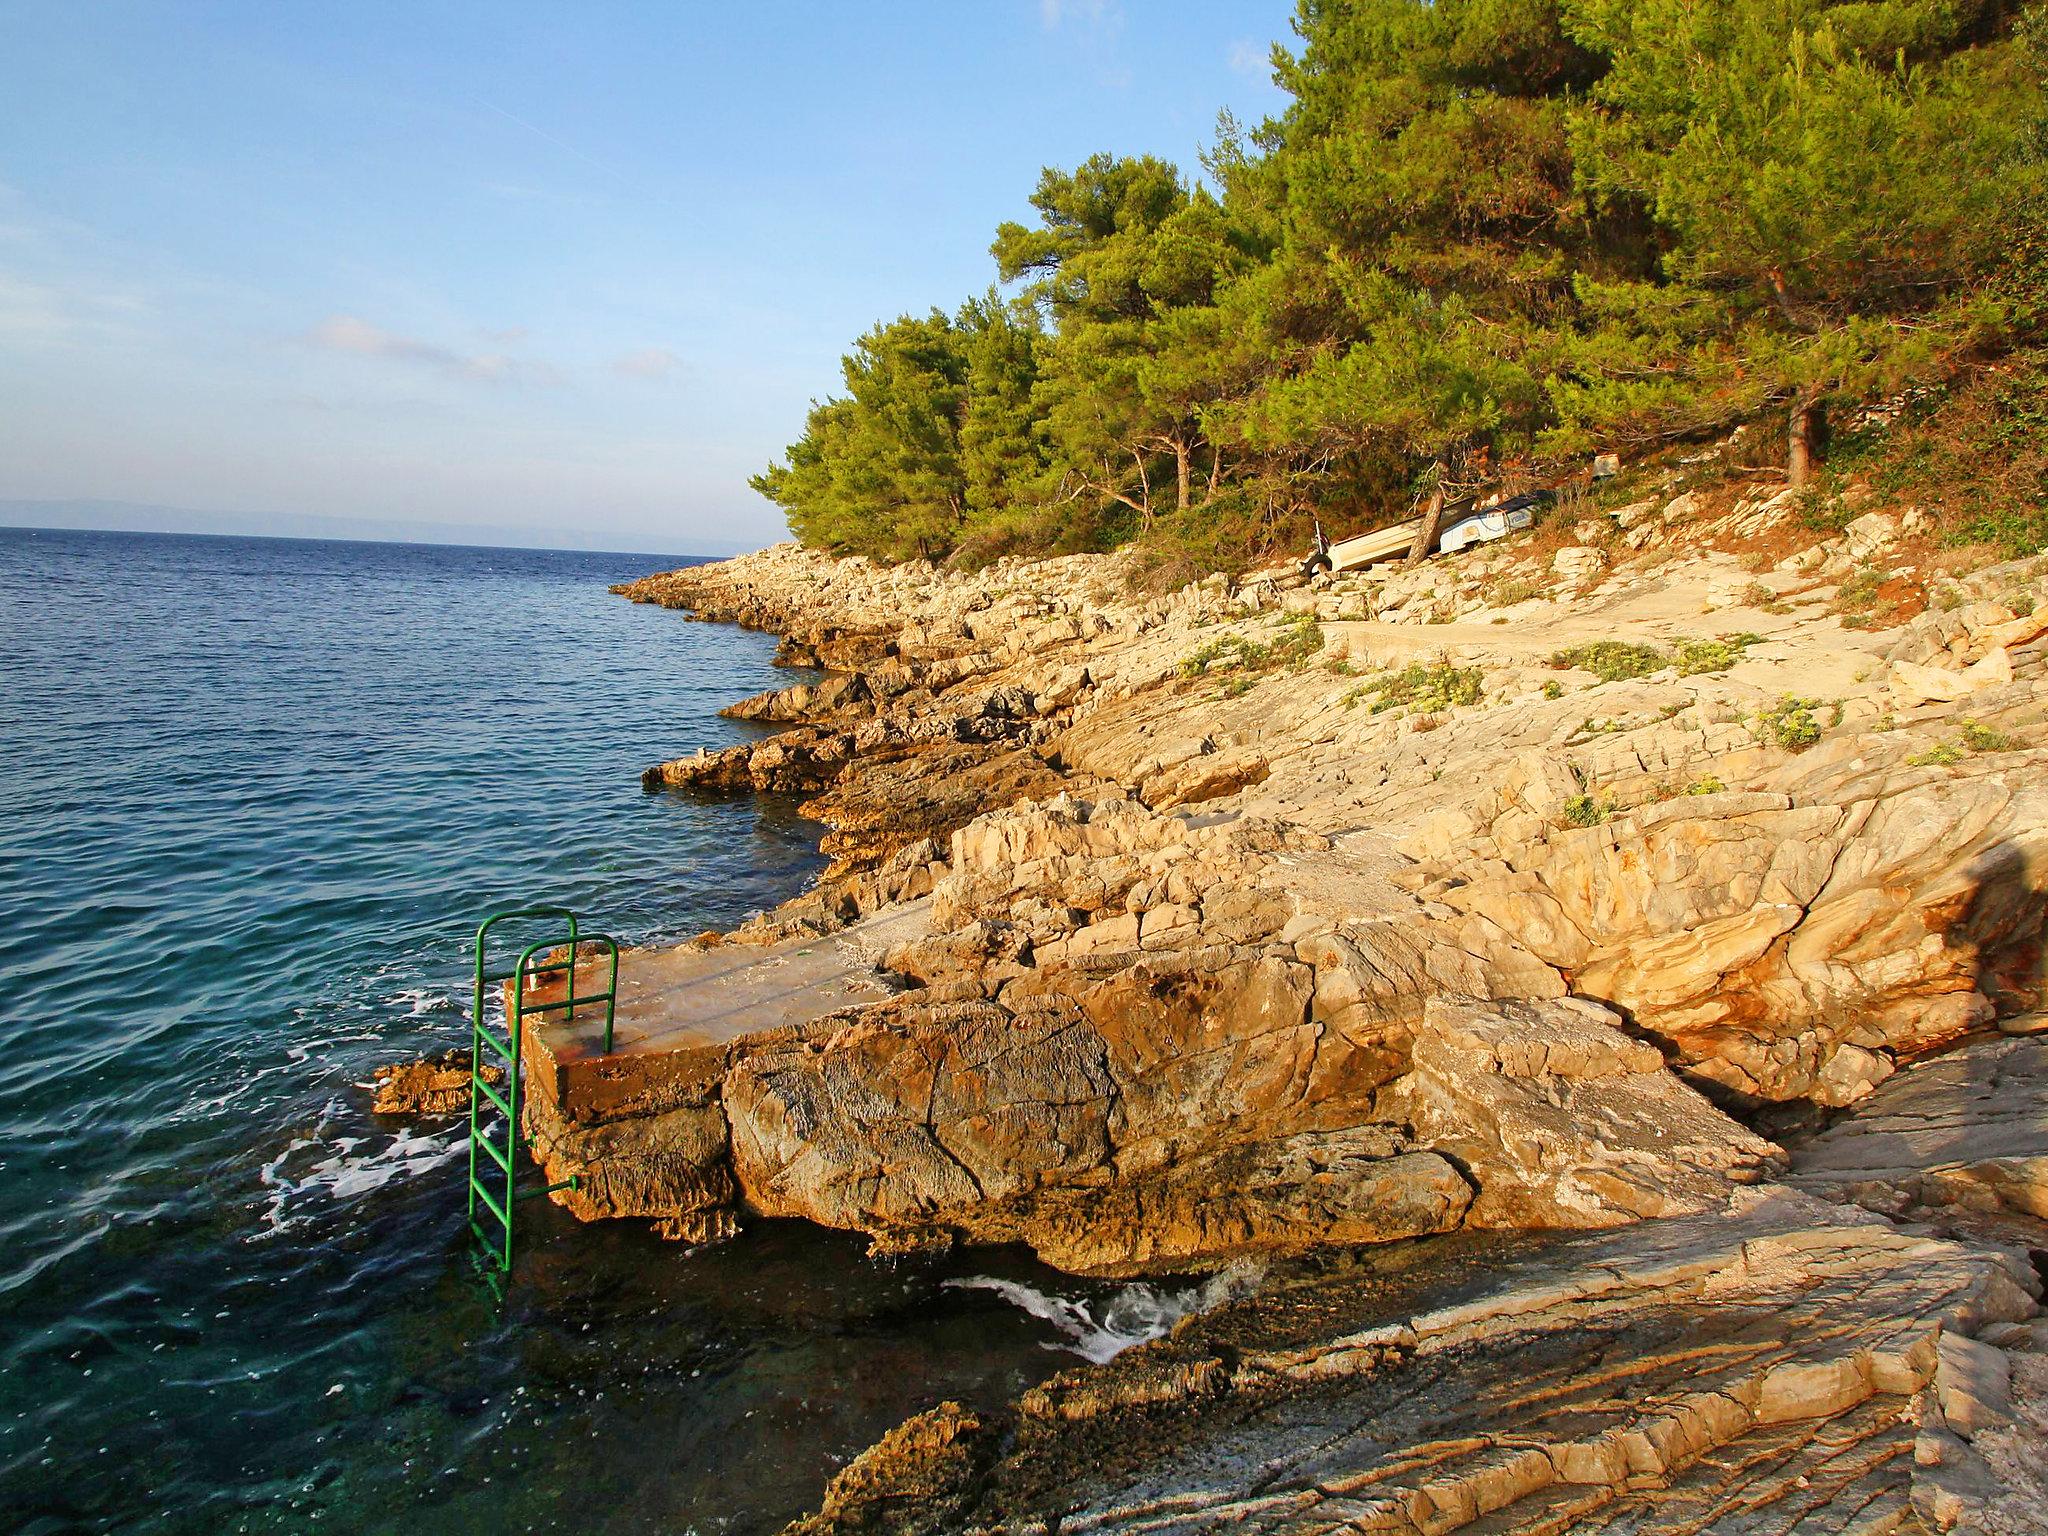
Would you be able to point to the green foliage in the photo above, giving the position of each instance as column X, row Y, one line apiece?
column 1791, row 723
column 1697, row 656
column 1706, row 786
column 1553, row 689
column 1299, row 638
column 1613, row 661
column 2015, row 532
column 1587, row 810
column 1481, row 231
column 1973, row 454
column 1979, row 737
column 1942, row 756
column 1425, row 685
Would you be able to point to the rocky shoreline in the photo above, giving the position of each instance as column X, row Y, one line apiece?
column 1535, row 891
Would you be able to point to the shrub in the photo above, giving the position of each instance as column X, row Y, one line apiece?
column 1938, row 757
column 1586, row 810
column 1979, row 737
column 1697, row 656
column 1760, row 597
column 1791, row 724
column 1299, row 638
column 2015, row 532
column 1428, row 686
column 1613, row 661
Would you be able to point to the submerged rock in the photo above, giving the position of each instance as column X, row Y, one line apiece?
column 431, row 1085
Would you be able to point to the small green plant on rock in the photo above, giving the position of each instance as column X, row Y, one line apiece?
column 1718, row 655
column 1979, row 737
column 1791, row 723
column 1941, row 756
column 1972, row 736
column 1299, row 638
column 1857, row 598
column 1588, row 810
column 1708, row 785
column 1428, row 686
column 1760, row 597
column 1553, row 689
column 1613, row 661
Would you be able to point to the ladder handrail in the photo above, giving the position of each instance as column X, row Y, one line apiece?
column 525, row 969
column 570, row 1002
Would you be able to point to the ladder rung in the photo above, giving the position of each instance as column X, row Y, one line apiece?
column 538, row 968
column 497, row 1210
column 574, row 1181
column 526, row 1008
column 488, row 1249
column 496, row 1156
column 580, row 1001
column 493, row 1042
column 490, row 1093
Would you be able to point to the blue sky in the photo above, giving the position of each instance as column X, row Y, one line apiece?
column 555, row 273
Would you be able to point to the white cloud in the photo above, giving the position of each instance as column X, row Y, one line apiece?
column 1093, row 13
column 350, row 334
column 1251, row 59
column 33, row 310
column 647, row 363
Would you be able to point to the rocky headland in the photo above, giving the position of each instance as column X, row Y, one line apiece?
column 1673, row 876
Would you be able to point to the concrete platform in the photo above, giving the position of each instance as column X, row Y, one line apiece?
column 679, row 1008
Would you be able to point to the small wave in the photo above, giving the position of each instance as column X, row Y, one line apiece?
column 1100, row 1329
column 418, row 1002
column 345, row 1176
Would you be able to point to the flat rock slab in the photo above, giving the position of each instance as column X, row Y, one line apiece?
column 680, row 1008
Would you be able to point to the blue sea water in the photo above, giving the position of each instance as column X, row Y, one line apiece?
column 253, row 796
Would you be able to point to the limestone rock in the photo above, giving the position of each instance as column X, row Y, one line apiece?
column 1576, row 563
column 1762, row 1367
column 1564, row 1120
column 432, row 1085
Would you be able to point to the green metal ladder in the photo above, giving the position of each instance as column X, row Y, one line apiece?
column 490, row 1157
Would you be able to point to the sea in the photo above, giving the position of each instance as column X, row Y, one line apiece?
column 255, row 795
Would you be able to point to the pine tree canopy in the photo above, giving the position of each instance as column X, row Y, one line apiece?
column 1484, row 232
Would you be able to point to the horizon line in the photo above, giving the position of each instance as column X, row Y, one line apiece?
column 310, row 538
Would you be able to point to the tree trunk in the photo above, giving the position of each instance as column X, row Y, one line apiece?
column 1802, row 437
column 1180, row 468
column 1432, row 521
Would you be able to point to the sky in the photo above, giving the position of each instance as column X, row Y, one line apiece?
column 548, row 274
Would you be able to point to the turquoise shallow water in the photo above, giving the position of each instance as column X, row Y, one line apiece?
column 253, row 794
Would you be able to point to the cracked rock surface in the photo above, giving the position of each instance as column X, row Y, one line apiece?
column 1778, row 1363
